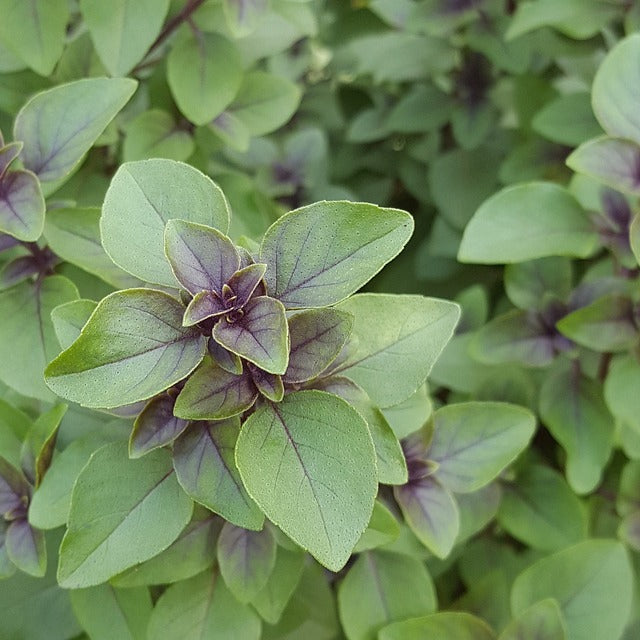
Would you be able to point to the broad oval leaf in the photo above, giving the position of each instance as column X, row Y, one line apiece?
column 26, row 329
column 621, row 389
column 123, row 30
column 154, row 134
column 133, row 347
column 204, row 73
column 22, row 206
column 381, row 588
column 309, row 463
column 138, row 205
column 59, row 126
column 474, row 441
column 542, row 620
column 246, row 559
column 447, row 625
column 592, row 582
column 612, row 161
column 399, row 338
column 342, row 246
column 614, row 94
column 152, row 511
column 528, row 221
column 203, row 458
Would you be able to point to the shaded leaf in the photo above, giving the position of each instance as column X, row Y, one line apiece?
column 228, row 361
column 447, row 625
column 541, row 620
column 154, row 134
column 269, row 384
column 382, row 529
column 22, row 206
column 69, row 318
column 14, row 489
column 26, row 547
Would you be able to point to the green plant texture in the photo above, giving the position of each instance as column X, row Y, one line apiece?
column 319, row 320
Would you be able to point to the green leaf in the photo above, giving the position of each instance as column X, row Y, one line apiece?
column 193, row 551
column 539, row 509
column 74, row 235
column 613, row 94
column 398, row 340
column 243, row 15
column 59, row 126
column 529, row 285
column 620, row 389
column 443, row 626
column 35, row 31
column 265, row 102
column 202, row 607
column 133, row 347
column 154, row 134
column 528, row 221
column 260, row 336
column 573, row 409
column 592, row 582
column 246, row 559
column 410, row 414
column 344, row 245
column 105, row 612
column 206, row 469
column 26, row 329
column 612, row 161
column 69, row 318
column 541, row 620
column 22, row 206
column 381, row 588
column 474, row 441
column 271, row 601
column 38, row 446
column 152, row 511
column 431, row 512
column 204, row 73
column 138, row 205
column 211, row 393
column 123, row 30
column 382, row 528
column 318, row 490
column 567, row 120
column 607, row 324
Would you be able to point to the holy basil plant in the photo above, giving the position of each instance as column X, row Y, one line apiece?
column 255, row 362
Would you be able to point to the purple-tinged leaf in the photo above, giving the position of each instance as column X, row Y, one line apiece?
column 612, row 161
column 59, row 126
column 203, row 458
column 14, row 491
column 431, row 512
column 269, row 384
column 39, row 445
column 8, row 154
column 392, row 467
column 211, row 393
column 244, row 282
column 322, row 253
column 7, row 242
column 246, row 559
column 228, row 361
column 7, row 568
column 26, row 547
column 22, row 206
column 155, row 427
column 18, row 270
column 317, row 337
column 205, row 304
column 260, row 335
column 202, row 258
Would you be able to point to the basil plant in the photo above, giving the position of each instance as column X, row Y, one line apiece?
column 255, row 364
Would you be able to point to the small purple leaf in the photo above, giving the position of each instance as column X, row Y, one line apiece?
column 205, row 304
column 18, row 270
column 26, row 548
column 246, row 559
column 155, row 427
column 202, row 258
column 211, row 393
column 14, row 490
column 244, row 282
column 269, row 384
column 431, row 512
column 261, row 335
column 317, row 337
column 228, row 361
column 22, row 206
column 7, row 242
column 203, row 457
column 7, row 568
column 8, row 154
